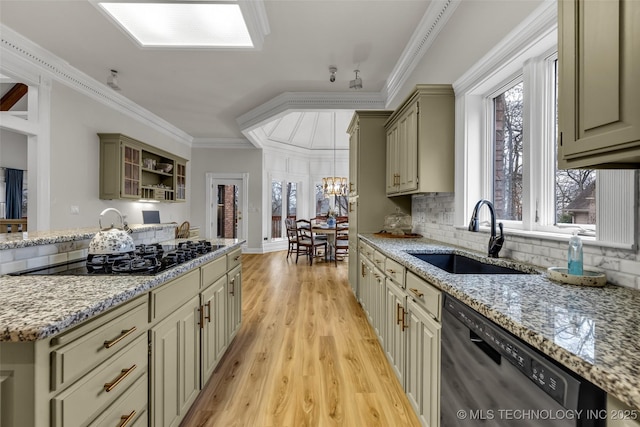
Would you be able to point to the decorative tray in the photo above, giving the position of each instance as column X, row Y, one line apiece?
column 398, row 236
column 589, row 277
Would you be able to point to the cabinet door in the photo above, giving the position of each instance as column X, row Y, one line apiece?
column 378, row 306
column 408, row 149
column 181, row 182
column 131, row 172
column 353, row 259
column 422, row 378
column 599, row 95
column 175, row 369
column 393, row 174
column 394, row 343
column 213, row 339
column 354, row 146
column 366, row 276
column 234, row 302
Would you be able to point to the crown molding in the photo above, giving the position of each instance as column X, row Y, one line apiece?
column 308, row 101
column 26, row 55
column 540, row 24
column 229, row 143
column 433, row 21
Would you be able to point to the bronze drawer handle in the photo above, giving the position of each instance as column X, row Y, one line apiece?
column 123, row 374
column 398, row 317
column 403, row 325
column 125, row 333
column 391, row 271
column 233, row 287
column 126, row 419
column 237, row 258
column 416, row 292
column 208, row 316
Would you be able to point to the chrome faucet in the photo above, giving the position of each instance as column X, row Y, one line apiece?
column 495, row 243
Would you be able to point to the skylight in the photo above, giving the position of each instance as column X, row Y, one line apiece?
column 177, row 24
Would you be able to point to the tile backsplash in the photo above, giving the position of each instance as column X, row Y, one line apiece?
column 433, row 217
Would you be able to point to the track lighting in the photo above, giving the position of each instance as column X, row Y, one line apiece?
column 332, row 76
column 357, row 82
column 112, row 80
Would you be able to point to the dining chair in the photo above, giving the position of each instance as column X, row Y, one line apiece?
column 341, row 249
column 182, row 232
column 307, row 242
column 292, row 236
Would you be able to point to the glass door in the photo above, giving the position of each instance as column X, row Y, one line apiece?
column 131, row 171
column 227, row 213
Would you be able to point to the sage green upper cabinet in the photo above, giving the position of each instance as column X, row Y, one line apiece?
column 131, row 169
column 599, row 94
column 420, row 142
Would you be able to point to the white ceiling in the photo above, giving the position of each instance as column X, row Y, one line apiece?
column 204, row 92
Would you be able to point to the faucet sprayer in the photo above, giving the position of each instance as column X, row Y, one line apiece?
column 495, row 243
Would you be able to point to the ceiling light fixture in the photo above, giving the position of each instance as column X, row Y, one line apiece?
column 189, row 24
column 112, row 80
column 334, row 185
column 357, row 82
column 332, row 76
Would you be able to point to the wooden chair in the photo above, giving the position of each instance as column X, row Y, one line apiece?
column 292, row 236
column 182, row 232
column 342, row 240
column 307, row 242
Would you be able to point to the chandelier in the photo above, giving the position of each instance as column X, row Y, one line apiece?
column 334, row 185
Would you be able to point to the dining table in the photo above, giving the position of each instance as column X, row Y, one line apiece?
column 330, row 232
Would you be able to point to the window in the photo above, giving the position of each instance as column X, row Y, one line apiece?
column 506, row 149
column 340, row 204
column 507, row 153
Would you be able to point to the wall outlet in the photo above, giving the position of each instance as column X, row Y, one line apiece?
column 75, row 210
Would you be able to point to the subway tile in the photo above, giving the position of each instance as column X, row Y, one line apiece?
column 12, row 267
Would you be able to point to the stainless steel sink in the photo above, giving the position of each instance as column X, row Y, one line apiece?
column 460, row 264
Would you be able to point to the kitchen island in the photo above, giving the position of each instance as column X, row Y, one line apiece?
column 592, row 331
column 94, row 349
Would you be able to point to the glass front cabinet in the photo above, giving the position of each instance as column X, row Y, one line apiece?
column 131, row 169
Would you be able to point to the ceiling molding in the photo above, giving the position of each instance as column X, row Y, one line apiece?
column 433, row 21
column 308, row 101
column 541, row 23
column 14, row 45
column 229, row 143
column 255, row 16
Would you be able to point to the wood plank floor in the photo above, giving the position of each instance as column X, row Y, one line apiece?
column 304, row 356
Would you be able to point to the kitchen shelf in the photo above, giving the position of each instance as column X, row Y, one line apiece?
column 125, row 171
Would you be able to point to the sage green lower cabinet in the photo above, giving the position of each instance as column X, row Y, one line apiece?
column 234, row 302
column 395, row 341
column 214, row 299
column 404, row 310
column 175, row 364
column 142, row 363
column 422, row 380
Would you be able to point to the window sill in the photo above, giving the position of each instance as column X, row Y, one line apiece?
column 555, row 237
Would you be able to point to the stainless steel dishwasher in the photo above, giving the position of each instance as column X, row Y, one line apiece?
column 492, row 378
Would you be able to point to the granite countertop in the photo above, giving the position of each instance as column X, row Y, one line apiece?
column 40, row 306
column 592, row 331
column 35, row 238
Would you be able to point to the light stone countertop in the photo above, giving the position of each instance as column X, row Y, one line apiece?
column 36, row 238
column 594, row 332
column 40, row 306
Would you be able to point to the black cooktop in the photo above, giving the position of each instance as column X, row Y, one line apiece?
column 145, row 260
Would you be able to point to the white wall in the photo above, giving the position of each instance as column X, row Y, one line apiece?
column 13, row 150
column 75, row 155
column 218, row 160
column 474, row 29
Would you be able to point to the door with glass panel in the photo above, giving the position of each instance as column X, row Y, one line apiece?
column 284, row 205
column 227, row 214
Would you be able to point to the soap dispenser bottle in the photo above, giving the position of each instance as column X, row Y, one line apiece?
column 575, row 255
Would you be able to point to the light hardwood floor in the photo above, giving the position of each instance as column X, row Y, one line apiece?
column 304, row 356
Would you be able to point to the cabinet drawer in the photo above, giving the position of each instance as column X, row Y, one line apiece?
column 96, row 342
column 130, row 407
column 78, row 403
column 395, row 271
column 366, row 250
column 378, row 260
column 213, row 271
column 174, row 294
column 234, row 258
column 424, row 294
